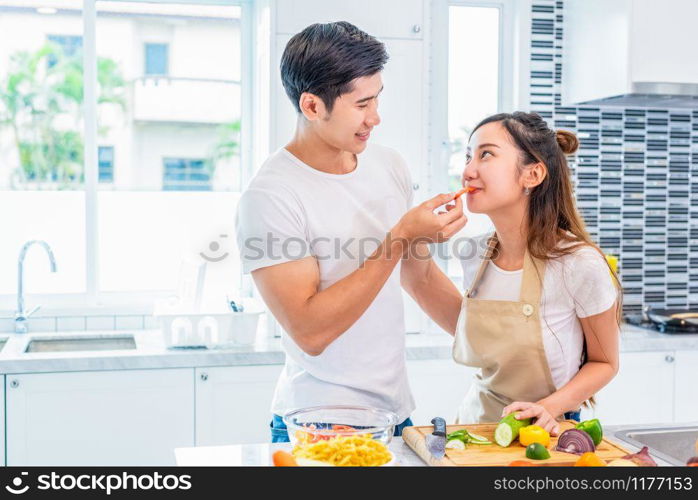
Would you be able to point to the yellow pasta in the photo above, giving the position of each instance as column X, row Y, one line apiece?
column 357, row 451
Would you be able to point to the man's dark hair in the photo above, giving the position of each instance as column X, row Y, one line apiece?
column 323, row 59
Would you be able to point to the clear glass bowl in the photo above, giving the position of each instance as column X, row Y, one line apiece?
column 324, row 422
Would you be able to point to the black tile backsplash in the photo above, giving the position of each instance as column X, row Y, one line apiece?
column 635, row 175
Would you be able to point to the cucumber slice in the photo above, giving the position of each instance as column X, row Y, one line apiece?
column 508, row 429
column 455, row 444
column 477, row 439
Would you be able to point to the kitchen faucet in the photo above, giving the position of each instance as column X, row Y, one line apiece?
column 21, row 316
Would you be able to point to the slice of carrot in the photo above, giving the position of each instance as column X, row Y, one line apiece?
column 283, row 459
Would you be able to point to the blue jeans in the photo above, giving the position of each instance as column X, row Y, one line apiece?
column 279, row 434
column 573, row 415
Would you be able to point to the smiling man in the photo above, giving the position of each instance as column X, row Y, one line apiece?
column 323, row 229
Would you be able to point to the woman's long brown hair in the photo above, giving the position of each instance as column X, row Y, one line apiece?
column 555, row 226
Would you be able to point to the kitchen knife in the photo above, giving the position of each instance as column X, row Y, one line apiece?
column 436, row 441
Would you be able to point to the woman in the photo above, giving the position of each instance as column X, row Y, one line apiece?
column 540, row 315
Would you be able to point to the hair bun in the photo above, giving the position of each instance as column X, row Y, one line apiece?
column 567, row 141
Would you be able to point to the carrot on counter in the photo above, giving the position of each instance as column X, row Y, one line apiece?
column 283, row 459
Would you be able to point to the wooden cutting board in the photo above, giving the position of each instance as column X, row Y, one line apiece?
column 495, row 455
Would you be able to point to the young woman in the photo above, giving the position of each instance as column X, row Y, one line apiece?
column 540, row 315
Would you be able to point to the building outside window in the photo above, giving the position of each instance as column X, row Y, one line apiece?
column 184, row 174
column 69, row 45
column 105, row 158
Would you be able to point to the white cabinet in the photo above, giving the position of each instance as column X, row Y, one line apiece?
column 686, row 386
column 438, row 387
column 628, row 47
column 641, row 393
column 128, row 417
column 403, row 105
column 233, row 404
column 663, row 38
column 382, row 19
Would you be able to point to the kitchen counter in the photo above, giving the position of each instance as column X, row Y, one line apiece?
column 150, row 351
column 260, row 454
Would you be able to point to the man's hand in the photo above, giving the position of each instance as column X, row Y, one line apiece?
column 422, row 223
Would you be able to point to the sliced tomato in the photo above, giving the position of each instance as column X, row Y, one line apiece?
column 343, row 428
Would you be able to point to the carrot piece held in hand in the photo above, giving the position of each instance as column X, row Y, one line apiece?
column 283, row 459
column 460, row 193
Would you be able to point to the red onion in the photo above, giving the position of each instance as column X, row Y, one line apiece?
column 575, row 441
column 642, row 458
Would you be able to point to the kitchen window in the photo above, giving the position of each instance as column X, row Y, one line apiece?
column 120, row 224
column 477, row 79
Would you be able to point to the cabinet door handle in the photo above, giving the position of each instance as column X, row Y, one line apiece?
column 14, row 383
column 204, row 377
column 416, row 28
column 669, row 358
column 415, row 187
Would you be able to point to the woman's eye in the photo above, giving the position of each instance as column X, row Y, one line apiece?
column 363, row 105
column 482, row 155
column 468, row 158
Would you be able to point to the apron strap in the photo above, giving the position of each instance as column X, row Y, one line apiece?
column 491, row 245
column 532, row 280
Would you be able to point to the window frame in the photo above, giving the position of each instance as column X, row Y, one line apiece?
column 513, row 44
column 138, row 302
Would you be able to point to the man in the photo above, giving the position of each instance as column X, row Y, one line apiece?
column 321, row 229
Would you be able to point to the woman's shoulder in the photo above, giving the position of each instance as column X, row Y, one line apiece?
column 579, row 253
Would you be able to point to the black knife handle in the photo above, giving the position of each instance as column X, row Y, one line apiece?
column 439, row 426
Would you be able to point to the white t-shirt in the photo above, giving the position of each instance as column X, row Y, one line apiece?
column 575, row 286
column 291, row 211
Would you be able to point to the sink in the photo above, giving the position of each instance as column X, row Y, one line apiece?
column 674, row 445
column 81, row 343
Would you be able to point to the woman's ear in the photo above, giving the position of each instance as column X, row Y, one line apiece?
column 535, row 175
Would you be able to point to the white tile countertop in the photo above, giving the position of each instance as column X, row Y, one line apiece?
column 260, row 454
column 151, row 352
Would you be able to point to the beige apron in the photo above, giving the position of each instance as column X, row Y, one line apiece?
column 504, row 340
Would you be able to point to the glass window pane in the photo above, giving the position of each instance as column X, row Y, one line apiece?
column 473, row 93
column 174, row 126
column 155, row 59
column 41, row 144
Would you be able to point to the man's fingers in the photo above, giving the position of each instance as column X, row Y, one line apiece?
column 452, row 215
column 438, row 200
column 455, row 226
column 458, row 204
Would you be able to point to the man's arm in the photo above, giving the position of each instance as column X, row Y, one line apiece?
column 314, row 318
column 431, row 288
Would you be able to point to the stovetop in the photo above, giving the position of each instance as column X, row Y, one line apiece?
column 642, row 321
